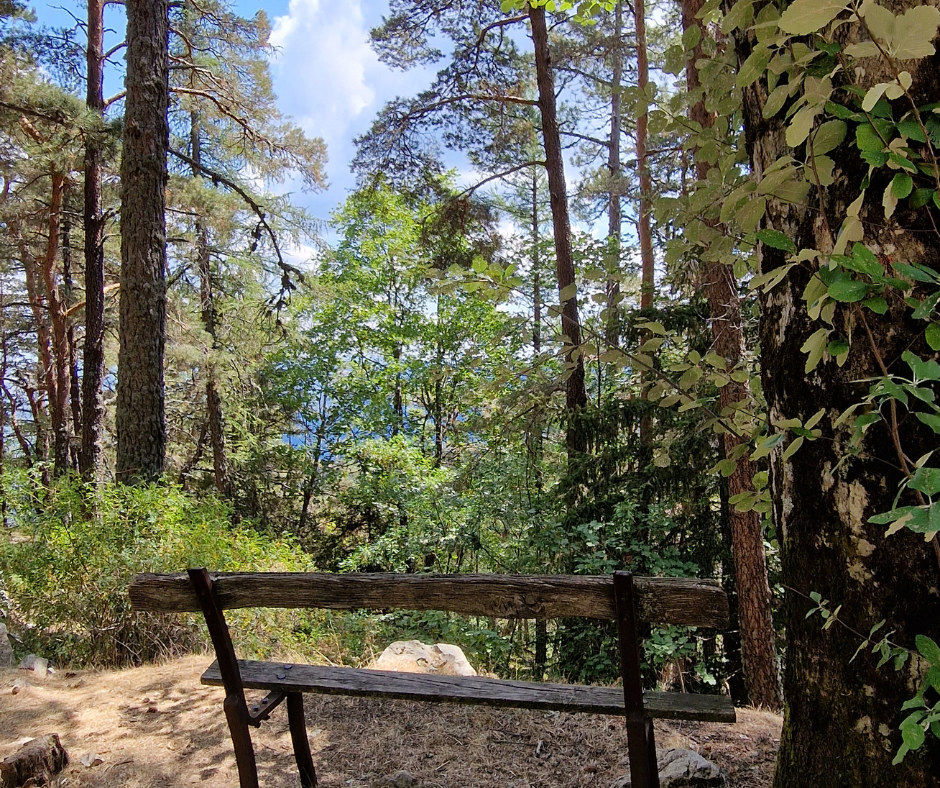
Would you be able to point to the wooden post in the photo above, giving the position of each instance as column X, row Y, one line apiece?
column 298, row 735
column 642, row 748
column 235, row 707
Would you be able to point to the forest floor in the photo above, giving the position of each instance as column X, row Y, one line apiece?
column 158, row 727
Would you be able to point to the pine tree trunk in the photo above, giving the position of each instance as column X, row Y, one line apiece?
column 842, row 715
column 761, row 673
column 575, row 391
column 93, row 349
column 140, row 417
column 68, row 297
column 644, row 231
column 207, row 310
column 615, row 172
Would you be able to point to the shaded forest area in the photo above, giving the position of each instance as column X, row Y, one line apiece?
column 679, row 318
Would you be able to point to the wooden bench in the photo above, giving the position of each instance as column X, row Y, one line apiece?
column 622, row 597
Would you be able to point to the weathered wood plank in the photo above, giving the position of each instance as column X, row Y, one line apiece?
column 660, row 600
column 472, row 690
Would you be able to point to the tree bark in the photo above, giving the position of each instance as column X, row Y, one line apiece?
column 575, row 390
column 68, row 296
column 842, row 715
column 58, row 394
column 140, row 417
column 207, row 308
column 761, row 673
column 644, row 232
column 615, row 172
column 93, row 349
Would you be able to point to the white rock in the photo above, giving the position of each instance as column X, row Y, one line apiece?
column 39, row 665
column 680, row 768
column 413, row 656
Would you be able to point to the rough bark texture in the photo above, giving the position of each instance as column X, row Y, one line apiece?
column 207, row 309
column 761, row 673
column 614, row 210
column 575, row 391
column 140, row 418
column 842, row 716
column 93, row 350
column 644, row 232
column 36, row 763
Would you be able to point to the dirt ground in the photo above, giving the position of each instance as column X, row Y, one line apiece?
column 158, row 727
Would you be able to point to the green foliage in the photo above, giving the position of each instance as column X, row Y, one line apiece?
column 70, row 554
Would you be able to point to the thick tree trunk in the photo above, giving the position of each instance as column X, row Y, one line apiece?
column 747, row 541
column 842, row 715
column 575, row 391
column 93, row 349
column 140, row 418
column 207, row 309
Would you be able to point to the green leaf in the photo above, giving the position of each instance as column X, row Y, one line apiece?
column 918, row 273
column 928, row 649
column 868, row 139
column 931, row 420
column 754, row 66
column 926, row 480
column 808, row 16
column 691, row 37
column 567, row 293
column 800, row 126
column 776, row 240
column 910, row 129
column 877, row 305
column 932, row 335
column 814, row 347
column 912, row 733
column 829, row 136
column 837, row 347
column 848, row 290
column 748, row 216
column 921, row 197
column 775, row 101
column 913, row 33
column 901, row 185
column 924, row 370
column 903, row 162
column 864, row 261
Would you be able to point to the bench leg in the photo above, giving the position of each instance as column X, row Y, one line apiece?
column 298, row 735
column 241, row 739
column 644, row 771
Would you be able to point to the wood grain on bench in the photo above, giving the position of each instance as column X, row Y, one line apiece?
column 659, row 600
column 472, row 690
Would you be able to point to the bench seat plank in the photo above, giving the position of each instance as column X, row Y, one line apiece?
column 471, row 690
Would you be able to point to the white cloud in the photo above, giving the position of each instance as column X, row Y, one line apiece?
column 321, row 65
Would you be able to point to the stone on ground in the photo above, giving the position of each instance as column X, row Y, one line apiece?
column 679, row 768
column 35, row 763
column 413, row 656
column 400, row 779
column 39, row 665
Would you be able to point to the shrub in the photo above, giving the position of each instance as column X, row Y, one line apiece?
column 67, row 559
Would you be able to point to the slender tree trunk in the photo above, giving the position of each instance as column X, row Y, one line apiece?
column 761, row 672
column 140, row 418
column 59, row 393
column 615, row 209
column 207, row 304
column 644, row 232
column 68, row 295
column 93, row 349
column 575, row 391
column 3, row 410
column 842, row 711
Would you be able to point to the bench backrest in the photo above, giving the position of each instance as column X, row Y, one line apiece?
column 700, row 603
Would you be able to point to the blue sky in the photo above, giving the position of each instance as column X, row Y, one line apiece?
column 326, row 76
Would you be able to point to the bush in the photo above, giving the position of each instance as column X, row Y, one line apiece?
column 69, row 554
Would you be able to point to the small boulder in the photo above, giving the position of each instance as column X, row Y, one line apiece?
column 38, row 665
column 7, row 660
column 413, row 656
column 679, row 768
column 400, row 779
